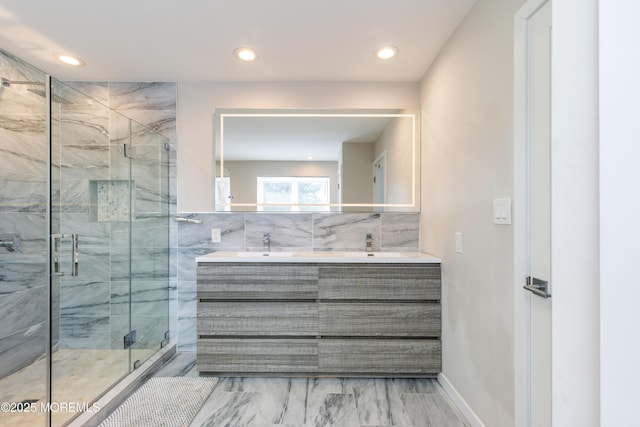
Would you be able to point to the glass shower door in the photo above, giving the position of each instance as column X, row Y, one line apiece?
column 149, row 290
column 90, row 249
column 24, row 282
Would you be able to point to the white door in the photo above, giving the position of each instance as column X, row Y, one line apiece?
column 379, row 180
column 534, row 23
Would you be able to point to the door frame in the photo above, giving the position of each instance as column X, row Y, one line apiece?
column 381, row 159
column 522, row 347
column 575, row 215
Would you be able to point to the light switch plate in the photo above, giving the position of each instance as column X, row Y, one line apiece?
column 458, row 243
column 215, row 235
column 502, row 211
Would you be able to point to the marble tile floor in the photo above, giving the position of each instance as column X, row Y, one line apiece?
column 77, row 376
column 320, row 402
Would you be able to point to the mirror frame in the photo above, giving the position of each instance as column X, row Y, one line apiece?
column 412, row 207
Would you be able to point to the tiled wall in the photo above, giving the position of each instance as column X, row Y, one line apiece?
column 288, row 232
column 23, row 177
column 95, row 308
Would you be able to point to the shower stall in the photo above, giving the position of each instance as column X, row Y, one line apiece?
column 84, row 246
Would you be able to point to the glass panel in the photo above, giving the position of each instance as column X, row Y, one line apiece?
column 293, row 193
column 23, row 234
column 91, row 187
column 150, row 241
column 314, row 191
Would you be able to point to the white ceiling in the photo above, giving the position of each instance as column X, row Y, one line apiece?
column 278, row 137
column 193, row 40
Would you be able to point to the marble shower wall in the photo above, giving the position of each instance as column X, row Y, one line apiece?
column 23, row 198
column 94, row 306
column 288, row 232
column 153, row 105
column 90, row 313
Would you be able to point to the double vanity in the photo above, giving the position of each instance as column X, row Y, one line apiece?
column 319, row 313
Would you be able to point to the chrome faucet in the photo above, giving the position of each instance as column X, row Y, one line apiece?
column 266, row 242
column 369, row 242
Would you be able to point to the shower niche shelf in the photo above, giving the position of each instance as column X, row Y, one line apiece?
column 111, row 200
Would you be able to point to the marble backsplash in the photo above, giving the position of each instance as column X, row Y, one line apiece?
column 287, row 232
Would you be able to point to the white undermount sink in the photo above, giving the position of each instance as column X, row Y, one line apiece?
column 372, row 254
column 265, row 254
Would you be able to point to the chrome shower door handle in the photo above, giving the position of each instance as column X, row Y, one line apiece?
column 56, row 249
column 55, row 253
column 74, row 261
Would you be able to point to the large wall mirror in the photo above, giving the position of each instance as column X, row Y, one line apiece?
column 317, row 160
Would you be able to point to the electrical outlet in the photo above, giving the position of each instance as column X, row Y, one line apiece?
column 215, row 235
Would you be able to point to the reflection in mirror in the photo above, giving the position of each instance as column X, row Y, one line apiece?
column 316, row 160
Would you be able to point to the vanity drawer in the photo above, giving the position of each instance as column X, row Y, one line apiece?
column 257, row 318
column 380, row 282
column 380, row 319
column 257, row 355
column 257, row 281
column 345, row 356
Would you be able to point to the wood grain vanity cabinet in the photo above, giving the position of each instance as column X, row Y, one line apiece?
column 348, row 319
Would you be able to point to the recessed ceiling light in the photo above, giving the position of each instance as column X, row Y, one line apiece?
column 386, row 52
column 69, row 59
column 245, row 54
column 309, row 157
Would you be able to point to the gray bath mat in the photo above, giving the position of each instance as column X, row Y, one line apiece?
column 163, row 402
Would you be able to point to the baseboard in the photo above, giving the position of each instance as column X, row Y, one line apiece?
column 459, row 401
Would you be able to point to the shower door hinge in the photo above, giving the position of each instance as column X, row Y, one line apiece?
column 130, row 339
column 129, row 151
column 166, row 340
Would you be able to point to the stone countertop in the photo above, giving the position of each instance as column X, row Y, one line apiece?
column 321, row 257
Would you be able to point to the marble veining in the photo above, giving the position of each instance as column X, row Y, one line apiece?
column 187, row 298
column 345, row 231
column 187, row 333
column 21, row 310
column 22, row 348
column 84, row 332
column 320, row 402
column 20, row 272
column 399, row 231
column 84, row 298
column 96, row 90
column 334, row 410
column 379, row 405
column 286, row 231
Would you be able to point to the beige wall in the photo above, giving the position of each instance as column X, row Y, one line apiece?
column 395, row 142
column 356, row 170
column 467, row 161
